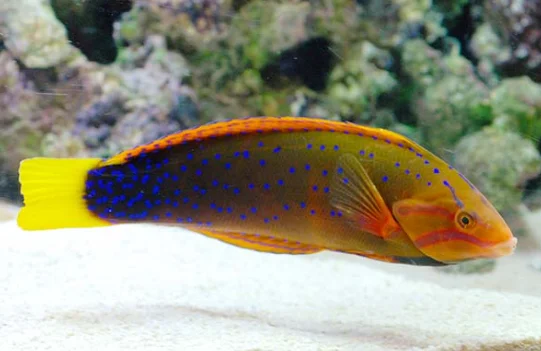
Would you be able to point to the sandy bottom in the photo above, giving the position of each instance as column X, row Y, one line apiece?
column 158, row 288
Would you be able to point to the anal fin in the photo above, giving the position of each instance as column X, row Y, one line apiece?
column 262, row 243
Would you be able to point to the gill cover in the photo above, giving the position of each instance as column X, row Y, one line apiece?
column 440, row 229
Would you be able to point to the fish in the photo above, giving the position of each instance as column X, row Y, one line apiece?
column 283, row 185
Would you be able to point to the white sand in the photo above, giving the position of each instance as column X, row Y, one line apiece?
column 156, row 288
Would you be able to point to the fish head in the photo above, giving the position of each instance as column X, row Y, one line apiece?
column 456, row 227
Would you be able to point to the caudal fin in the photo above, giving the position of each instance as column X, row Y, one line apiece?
column 53, row 191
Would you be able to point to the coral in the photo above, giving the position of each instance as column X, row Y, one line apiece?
column 486, row 45
column 519, row 23
column 516, row 103
column 32, row 33
column 358, row 81
column 498, row 162
column 450, row 101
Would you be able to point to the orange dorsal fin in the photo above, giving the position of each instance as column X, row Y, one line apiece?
column 355, row 195
column 262, row 125
column 261, row 243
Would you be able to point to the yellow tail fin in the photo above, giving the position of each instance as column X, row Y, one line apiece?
column 53, row 191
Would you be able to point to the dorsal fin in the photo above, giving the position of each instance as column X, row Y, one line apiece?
column 262, row 125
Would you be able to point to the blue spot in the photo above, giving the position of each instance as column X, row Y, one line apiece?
column 418, row 176
column 309, row 146
column 262, row 162
column 345, row 180
column 229, row 210
column 228, row 165
column 251, row 186
column 220, row 209
column 253, row 210
column 426, row 162
column 156, row 217
column 314, row 187
column 397, row 164
column 429, row 183
column 266, row 186
column 275, row 217
column 189, row 219
column 326, row 189
column 189, row 156
column 175, row 204
column 277, row 149
column 307, row 167
column 205, row 162
column 333, row 213
column 175, row 178
column 336, row 147
column 246, row 154
column 260, row 144
column 280, row 182
column 362, row 152
column 322, row 147
column 436, row 171
column 183, row 168
column 215, row 182
column 209, row 224
column 312, row 212
column 303, row 204
column 225, row 186
column 145, row 179
column 155, row 190
column 266, row 220
column 243, row 217
column 195, row 188
column 218, row 156
column 213, row 205
column 236, row 191
column 371, row 155
column 292, row 170
column 236, row 154
column 198, row 172
column 195, row 206
column 185, row 200
column 286, row 207
column 340, row 170
column 385, row 178
column 325, row 172
column 374, row 137
column 407, row 171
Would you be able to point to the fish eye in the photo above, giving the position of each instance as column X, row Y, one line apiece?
column 465, row 220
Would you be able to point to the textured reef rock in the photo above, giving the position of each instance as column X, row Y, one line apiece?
column 499, row 163
column 519, row 23
column 450, row 101
column 33, row 34
column 516, row 104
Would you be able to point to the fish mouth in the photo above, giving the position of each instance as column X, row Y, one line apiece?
column 504, row 248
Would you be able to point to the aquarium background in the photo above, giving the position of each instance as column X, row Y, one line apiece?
column 460, row 77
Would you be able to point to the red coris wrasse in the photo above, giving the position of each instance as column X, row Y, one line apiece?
column 282, row 185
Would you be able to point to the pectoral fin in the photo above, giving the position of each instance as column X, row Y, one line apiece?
column 262, row 243
column 354, row 194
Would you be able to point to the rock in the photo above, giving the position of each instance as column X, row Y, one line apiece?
column 32, row 33
column 516, row 103
column 499, row 163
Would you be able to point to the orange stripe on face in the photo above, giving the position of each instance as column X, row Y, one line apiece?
column 445, row 235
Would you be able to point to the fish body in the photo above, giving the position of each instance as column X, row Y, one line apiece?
column 283, row 185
